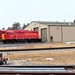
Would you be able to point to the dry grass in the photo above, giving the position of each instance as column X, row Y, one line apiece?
column 59, row 57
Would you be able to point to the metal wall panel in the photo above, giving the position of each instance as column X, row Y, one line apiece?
column 68, row 33
column 55, row 33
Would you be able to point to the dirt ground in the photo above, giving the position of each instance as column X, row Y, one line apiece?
column 42, row 45
column 46, row 57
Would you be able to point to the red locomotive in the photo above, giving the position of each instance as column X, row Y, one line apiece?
column 12, row 36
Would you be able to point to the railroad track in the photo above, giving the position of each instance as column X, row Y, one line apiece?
column 38, row 70
column 36, row 49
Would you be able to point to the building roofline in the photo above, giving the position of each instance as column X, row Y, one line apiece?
column 54, row 23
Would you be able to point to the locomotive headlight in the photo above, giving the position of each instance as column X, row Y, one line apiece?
column 3, row 37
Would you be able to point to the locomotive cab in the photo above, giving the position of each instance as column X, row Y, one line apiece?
column 7, row 37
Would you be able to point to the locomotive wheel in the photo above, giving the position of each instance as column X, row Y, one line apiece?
column 11, row 41
column 28, row 41
column 5, row 41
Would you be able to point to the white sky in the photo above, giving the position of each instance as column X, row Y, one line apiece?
column 25, row 11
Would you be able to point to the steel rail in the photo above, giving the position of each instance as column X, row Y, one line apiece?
column 36, row 69
column 35, row 49
column 50, row 66
column 66, row 67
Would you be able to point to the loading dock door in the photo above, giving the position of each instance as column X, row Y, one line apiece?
column 44, row 34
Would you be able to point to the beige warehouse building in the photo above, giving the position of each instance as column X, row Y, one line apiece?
column 53, row 31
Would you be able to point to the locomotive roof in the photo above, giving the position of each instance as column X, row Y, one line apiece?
column 9, row 31
column 2, row 30
column 18, row 31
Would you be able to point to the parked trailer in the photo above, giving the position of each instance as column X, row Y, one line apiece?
column 12, row 36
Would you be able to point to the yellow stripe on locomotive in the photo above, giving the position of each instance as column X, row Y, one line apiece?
column 3, row 37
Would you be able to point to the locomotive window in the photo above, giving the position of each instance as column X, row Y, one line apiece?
column 6, row 32
column 9, row 33
column 3, row 32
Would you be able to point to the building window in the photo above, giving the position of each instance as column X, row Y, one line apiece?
column 36, row 29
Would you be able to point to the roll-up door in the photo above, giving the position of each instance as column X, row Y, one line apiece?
column 44, row 34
